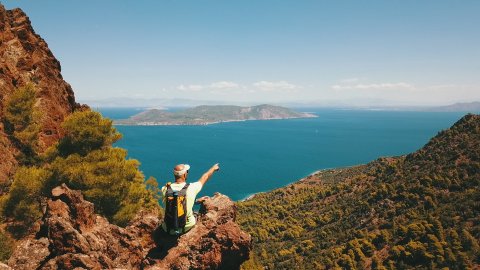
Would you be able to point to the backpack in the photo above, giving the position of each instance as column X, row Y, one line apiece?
column 176, row 209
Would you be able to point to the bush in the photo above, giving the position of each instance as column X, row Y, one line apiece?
column 19, row 108
column 85, row 160
column 22, row 122
column 6, row 242
column 86, row 131
column 107, row 179
column 23, row 202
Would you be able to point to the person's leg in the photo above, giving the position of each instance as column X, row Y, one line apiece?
column 164, row 241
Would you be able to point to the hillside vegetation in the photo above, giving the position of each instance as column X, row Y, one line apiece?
column 420, row 211
column 83, row 158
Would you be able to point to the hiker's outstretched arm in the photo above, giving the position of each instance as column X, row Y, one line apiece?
column 208, row 174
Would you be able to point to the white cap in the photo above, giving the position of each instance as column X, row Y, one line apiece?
column 186, row 167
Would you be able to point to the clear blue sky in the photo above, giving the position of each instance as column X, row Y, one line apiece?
column 352, row 52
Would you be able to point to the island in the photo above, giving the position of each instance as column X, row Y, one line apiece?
column 205, row 115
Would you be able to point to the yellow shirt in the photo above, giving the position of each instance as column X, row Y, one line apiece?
column 192, row 191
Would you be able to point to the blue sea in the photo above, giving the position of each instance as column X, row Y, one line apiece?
column 258, row 156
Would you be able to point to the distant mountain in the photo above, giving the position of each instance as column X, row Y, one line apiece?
column 204, row 115
column 458, row 107
column 419, row 211
column 466, row 107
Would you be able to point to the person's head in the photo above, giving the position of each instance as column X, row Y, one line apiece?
column 181, row 172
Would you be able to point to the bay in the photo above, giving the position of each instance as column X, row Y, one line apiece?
column 257, row 156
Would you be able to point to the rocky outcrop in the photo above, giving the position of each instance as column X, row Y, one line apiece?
column 26, row 58
column 216, row 242
column 72, row 236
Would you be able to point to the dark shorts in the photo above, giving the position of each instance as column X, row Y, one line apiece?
column 164, row 242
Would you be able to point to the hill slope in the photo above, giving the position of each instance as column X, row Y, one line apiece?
column 417, row 211
column 203, row 115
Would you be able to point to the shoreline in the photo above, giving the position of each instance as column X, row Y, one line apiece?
column 207, row 123
column 251, row 196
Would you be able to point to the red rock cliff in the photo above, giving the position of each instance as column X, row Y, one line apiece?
column 26, row 58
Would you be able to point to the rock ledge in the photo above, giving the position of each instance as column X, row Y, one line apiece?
column 72, row 236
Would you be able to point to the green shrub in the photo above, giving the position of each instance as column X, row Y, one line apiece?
column 19, row 108
column 6, row 244
column 85, row 160
column 22, row 122
column 23, row 202
column 106, row 178
column 86, row 131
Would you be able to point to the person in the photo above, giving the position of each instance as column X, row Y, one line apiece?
column 166, row 240
column 180, row 172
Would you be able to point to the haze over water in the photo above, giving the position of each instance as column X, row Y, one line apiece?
column 258, row 156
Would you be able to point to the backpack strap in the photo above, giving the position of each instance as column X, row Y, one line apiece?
column 183, row 191
column 169, row 193
column 169, row 188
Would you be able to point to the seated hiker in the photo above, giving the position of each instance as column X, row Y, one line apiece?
column 179, row 197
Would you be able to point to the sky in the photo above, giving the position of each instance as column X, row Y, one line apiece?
column 363, row 53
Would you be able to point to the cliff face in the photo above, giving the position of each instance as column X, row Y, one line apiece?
column 26, row 58
column 72, row 236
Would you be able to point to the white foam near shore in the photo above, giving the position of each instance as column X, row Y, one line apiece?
column 252, row 195
column 249, row 197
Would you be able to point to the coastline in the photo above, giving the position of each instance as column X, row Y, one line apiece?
column 251, row 196
column 206, row 123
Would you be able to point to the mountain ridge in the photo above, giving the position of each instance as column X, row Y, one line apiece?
column 458, row 107
column 418, row 211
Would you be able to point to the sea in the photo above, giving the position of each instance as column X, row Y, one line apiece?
column 262, row 155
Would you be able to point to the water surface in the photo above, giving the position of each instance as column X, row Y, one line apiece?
column 259, row 156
